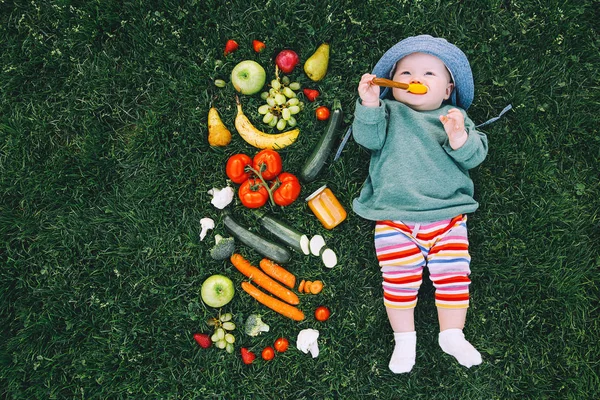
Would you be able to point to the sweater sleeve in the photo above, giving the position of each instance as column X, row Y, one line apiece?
column 370, row 126
column 475, row 149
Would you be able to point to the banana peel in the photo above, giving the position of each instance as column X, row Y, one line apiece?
column 258, row 138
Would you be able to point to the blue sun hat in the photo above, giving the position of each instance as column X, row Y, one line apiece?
column 453, row 57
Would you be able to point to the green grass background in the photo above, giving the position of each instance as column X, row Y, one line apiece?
column 105, row 168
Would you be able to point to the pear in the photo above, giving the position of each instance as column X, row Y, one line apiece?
column 315, row 66
column 218, row 134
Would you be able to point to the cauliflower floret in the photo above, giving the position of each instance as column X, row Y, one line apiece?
column 206, row 224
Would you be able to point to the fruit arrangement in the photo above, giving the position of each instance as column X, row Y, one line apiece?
column 282, row 103
column 218, row 134
column 217, row 290
column 222, row 336
column 258, row 138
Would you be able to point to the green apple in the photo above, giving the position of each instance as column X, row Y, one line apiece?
column 248, row 77
column 217, row 290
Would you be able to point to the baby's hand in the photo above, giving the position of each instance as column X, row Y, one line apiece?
column 368, row 92
column 454, row 125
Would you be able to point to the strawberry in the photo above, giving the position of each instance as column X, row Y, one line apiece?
column 203, row 340
column 230, row 46
column 247, row 356
column 311, row 94
column 258, row 46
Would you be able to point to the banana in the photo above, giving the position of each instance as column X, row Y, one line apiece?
column 258, row 138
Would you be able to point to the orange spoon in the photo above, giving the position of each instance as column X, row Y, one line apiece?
column 415, row 88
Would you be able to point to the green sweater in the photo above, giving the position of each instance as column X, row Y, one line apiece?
column 414, row 174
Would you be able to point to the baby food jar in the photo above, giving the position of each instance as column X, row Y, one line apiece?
column 326, row 207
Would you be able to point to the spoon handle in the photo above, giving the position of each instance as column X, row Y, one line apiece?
column 389, row 83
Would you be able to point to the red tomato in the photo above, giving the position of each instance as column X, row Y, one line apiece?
column 268, row 353
column 281, row 344
column 253, row 193
column 322, row 313
column 322, row 113
column 288, row 191
column 236, row 168
column 268, row 163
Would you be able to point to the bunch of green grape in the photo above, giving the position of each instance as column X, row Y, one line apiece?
column 222, row 336
column 282, row 104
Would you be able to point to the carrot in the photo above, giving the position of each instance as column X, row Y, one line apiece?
column 316, row 287
column 276, row 305
column 301, row 286
column 278, row 272
column 307, row 286
column 263, row 280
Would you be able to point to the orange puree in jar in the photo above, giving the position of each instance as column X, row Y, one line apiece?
column 326, row 207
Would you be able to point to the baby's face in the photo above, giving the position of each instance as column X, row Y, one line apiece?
column 429, row 71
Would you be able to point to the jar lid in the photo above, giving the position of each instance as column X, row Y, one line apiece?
column 316, row 192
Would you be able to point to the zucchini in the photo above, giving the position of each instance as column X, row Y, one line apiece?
column 284, row 232
column 271, row 250
column 316, row 161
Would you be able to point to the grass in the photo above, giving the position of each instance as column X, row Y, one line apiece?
column 105, row 168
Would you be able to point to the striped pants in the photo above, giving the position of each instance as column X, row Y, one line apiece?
column 404, row 249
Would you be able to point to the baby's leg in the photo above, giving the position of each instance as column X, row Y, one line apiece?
column 405, row 338
column 401, row 262
column 448, row 263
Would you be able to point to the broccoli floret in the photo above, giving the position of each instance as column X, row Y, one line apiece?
column 223, row 248
column 255, row 326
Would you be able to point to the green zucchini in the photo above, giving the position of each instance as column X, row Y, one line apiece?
column 284, row 232
column 316, row 161
column 271, row 250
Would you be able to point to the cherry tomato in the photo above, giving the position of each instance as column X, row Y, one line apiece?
column 268, row 163
column 322, row 113
column 288, row 191
column 322, row 313
column 268, row 353
column 236, row 168
column 281, row 344
column 253, row 193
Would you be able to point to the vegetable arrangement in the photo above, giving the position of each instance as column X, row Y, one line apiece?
column 316, row 161
column 262, row 179
column 263, row 280
column 277, row 272
column 274, row 304
column 268, row 249
column 310, row 287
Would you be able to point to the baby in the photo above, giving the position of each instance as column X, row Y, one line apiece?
column 418, row 190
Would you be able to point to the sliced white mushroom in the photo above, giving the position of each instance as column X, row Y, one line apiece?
column 316, row 244
column 329, row 258
column 305, row 244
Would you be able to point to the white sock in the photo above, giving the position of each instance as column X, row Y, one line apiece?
column 405, row 352
column 453, row 342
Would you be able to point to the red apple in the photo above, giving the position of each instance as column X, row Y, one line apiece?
column 287, row 60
